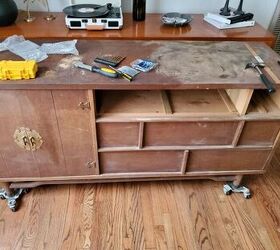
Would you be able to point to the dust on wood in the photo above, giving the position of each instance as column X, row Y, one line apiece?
column 202, row 61
column 67, row 62
column 64, row 64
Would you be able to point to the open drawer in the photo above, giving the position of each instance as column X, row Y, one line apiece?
column 125, row 104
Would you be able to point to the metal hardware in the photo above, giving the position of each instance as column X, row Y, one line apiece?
column 12, row 199
column 239, row 10
column 28, row 139
column 49, row 17
column 28, row 18
column 84, row 105
column 257, row 66
column 230, row 188
column 225, row 11
column 91, row 164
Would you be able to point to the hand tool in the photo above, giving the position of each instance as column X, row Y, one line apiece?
column 109, row 60
column 103, row 71
column 257, row 66
column 123, row 75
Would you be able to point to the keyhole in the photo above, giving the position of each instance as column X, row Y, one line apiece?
column 25, row 140
column 33, row 141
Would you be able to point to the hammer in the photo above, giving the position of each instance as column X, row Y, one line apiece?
column 257, row 66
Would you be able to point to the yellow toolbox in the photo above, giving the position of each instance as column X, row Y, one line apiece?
column 17, row 70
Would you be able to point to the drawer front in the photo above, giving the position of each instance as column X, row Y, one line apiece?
column 117, row 134
column 227, row 160
column 141, row 161
column 189, row 133
column 259, row 133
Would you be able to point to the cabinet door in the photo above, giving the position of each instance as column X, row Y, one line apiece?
column 67, row 136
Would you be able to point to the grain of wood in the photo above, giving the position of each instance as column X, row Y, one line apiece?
column 240, row 98
column 151, row 215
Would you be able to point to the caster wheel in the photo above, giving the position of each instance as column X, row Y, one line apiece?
column 248, row 196
column 14, row 209
column 229, row 192
column 26, row 191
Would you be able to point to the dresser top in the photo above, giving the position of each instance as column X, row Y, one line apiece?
column 182, row 65
column 150, row 29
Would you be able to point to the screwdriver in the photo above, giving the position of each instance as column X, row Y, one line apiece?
column 103, row 71
column 123, row 75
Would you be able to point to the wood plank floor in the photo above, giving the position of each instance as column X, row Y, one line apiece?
column 170, row 215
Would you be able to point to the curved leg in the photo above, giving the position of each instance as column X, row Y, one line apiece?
column 11, row 196
column 235, row 187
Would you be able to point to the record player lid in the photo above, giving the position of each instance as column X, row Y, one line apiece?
column 88, row 10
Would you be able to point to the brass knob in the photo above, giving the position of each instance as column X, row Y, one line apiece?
column 84, row 105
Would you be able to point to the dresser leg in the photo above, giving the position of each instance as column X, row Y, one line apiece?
column 235, row 187
column 237, row 180
column 11, row 195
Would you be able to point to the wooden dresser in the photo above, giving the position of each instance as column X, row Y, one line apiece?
column 150, row 29
column 200, row 114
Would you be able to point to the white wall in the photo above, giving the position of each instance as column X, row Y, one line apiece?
column 263, row 10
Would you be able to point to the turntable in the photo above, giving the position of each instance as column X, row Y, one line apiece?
column 93, row 17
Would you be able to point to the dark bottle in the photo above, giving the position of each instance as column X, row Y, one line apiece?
column 139, row 10
column 8, row 12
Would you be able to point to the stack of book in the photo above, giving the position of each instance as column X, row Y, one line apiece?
column 231, row 22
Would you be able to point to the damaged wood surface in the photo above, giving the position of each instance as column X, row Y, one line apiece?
column 182, row 65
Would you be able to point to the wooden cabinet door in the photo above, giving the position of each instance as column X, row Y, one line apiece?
column 68, row 147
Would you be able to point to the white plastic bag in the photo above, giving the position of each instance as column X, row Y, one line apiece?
column 31, row 51
column 9, row 41
column 62, row 48
column 28, row 51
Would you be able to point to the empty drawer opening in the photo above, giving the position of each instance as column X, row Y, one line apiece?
column 135, row 103
column 264, row 103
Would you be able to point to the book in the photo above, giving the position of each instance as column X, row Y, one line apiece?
column 223, row 26
column 219, row 18
column 230, row 19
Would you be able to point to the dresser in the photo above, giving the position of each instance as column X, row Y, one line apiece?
column 198, row 115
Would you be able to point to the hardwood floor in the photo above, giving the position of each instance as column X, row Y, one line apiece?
column 170, row 215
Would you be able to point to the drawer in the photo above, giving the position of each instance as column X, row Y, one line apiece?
column 117, row 134
column 259, row 133
column 189, row 133
column 227, row 160
column 141, row 161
